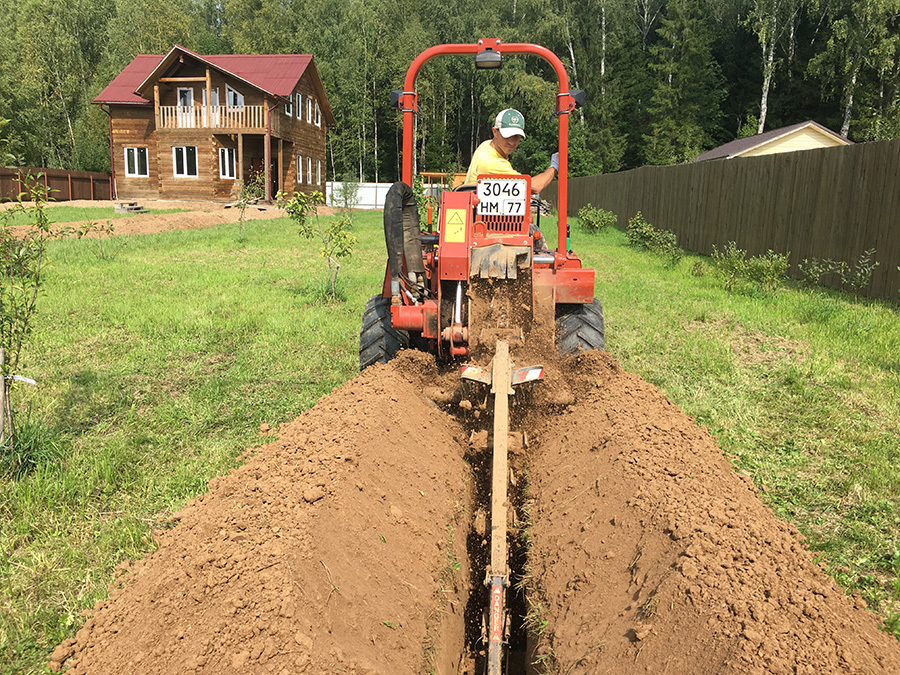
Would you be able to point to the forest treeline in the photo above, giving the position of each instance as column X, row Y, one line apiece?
column 665, row 79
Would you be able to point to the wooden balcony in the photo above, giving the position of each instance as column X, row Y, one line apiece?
column 228, row 118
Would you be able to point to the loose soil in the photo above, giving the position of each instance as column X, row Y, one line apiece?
column 341, row 547
column 353, row 543
column 198, row 215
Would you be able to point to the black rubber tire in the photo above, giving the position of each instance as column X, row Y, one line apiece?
column 378, row 341
column 580, row 328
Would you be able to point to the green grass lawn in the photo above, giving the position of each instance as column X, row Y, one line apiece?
column 77, row 214
column 156, row 368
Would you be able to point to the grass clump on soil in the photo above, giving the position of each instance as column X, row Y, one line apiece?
column 799, row 386
column 155, row 371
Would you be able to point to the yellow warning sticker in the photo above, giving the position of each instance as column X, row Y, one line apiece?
column 455, row 225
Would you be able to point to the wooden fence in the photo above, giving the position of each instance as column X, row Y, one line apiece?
column 63, row 185
column 829, row 203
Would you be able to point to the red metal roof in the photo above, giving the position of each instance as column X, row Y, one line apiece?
column 122, row 89
column 276, row 74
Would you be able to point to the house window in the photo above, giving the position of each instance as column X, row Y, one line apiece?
column 318, row 172
column 318, row 115
column 289, row 107
column 226, row 163
column 299, row 168
column 309, row 117
column 233, row 97
column 184, row 161
column 299, row 98
column 309, row 169
column 136, row 162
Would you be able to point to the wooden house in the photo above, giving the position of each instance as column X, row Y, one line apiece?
column 802, row 136
column 186, row 126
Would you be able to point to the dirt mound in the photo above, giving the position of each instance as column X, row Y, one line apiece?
column 653, row 556
column 332, row 549
column 342, row 547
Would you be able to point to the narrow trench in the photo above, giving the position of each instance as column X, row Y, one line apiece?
column 479, row 457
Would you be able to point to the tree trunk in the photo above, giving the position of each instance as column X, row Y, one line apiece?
column 768, row 49
column 848, row 104
column 374, row 130
column 574, row 67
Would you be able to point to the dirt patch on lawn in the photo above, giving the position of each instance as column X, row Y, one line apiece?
column 196, row 215
column 342, row 548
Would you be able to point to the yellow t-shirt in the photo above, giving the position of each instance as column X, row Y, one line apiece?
column 487, row 160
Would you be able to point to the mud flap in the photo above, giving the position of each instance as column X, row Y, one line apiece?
column 499, row 262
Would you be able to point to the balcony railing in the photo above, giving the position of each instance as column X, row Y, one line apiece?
column 212, row 117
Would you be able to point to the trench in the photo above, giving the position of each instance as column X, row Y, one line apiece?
column 478, row 455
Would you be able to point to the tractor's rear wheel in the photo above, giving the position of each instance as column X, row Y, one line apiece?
column 379, row 342
column 579, row 328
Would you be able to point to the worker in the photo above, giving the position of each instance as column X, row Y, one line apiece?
column 492, row 156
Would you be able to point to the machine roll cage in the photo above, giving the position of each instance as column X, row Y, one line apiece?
column 566, row 101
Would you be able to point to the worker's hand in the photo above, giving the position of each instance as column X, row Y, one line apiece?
column 554, row 161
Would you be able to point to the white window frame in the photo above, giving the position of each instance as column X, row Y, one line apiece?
column 309, row 117
column 299, row 169
column 289, row 107
column 318, row 172
column 227, row 160
column 136, row 151
column 238, row 97
column 184, row 153
column 318, row 115
column 299, row 98
column 309, row 170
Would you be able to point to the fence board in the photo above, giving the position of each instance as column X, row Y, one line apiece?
column 827, row 203
column 65, row 185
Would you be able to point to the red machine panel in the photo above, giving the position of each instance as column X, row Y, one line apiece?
column 455, row 232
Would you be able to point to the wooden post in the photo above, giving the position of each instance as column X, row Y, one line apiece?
column 240, row 143
column 267, row 155
column 92, row 188
column 69, row 175
column 156, row 105
column 280, row 165
column 209, row 119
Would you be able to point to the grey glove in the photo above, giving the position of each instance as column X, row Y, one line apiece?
column 554, row 161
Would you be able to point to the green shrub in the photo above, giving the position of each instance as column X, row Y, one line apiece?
column 852, row 278
column 596, row 220
column 860, row 275
column 639, row 232
column 813, row 270
column 642, row 235
column 766, row 271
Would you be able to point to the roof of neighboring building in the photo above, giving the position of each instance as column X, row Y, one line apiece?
column 275, row 74
column 741, row 146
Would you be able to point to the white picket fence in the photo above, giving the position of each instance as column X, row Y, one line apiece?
column 370, row 195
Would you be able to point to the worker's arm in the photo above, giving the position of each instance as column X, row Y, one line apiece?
column 543, row 179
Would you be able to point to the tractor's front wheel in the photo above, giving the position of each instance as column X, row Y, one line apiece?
column 379, row 342
column 579, row 328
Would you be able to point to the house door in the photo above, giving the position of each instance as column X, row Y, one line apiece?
column 186, row 108
column 213, row 112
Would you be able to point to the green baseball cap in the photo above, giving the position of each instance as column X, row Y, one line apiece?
column 510, row 122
